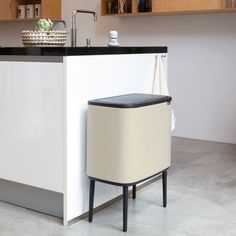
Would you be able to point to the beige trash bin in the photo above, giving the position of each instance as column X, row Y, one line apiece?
column 128, row 141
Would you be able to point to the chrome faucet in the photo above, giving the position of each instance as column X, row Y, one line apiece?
column 74, row 29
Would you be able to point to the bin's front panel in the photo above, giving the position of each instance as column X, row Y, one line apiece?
column 128, row 145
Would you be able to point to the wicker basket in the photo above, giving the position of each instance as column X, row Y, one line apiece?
column 52, row 38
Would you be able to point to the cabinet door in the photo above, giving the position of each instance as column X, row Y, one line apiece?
column 6, row 9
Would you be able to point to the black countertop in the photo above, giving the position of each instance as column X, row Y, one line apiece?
column 78, row 51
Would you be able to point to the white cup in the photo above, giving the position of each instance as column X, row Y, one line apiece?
column 21, row 11
column 37, row 10
column 30, row 11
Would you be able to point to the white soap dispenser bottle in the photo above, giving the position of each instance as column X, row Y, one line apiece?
column 113, row 39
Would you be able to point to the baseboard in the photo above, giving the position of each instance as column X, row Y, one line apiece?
column 37, row 199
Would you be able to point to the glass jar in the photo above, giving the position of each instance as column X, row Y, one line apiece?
column 148, row 7
column 145, row 5
column 142, row 5
column 231, row 3
column 112, row 7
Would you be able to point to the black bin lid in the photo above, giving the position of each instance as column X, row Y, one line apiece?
column 130, row 100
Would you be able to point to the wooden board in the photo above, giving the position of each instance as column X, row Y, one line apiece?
column 51, row 9
column 185, row 5
column 6, row 9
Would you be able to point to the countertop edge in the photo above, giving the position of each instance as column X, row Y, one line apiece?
column 79, row 51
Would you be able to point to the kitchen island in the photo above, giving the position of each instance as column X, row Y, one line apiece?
column 43, row 104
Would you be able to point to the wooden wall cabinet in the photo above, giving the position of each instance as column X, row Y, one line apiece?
column 167, row 7
column 49, row 9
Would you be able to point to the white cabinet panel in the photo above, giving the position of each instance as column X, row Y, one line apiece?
column 31, row 123
column 89, row 77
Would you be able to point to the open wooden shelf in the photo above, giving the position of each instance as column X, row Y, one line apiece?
column 226, row 10
column 49, row 9
column 174, row 7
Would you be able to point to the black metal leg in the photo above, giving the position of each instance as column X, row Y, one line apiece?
column 91, row 199
column 134, row 192
column 125, row 207
column 164, row 187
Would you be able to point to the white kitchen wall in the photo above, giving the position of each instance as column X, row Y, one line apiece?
column 202, row 57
